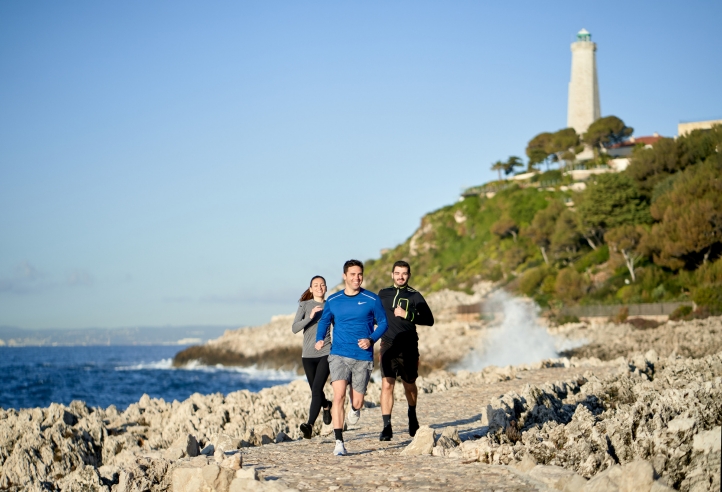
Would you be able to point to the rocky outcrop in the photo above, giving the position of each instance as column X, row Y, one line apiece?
column 607, row 341
column 272, row 345
column 664, row 411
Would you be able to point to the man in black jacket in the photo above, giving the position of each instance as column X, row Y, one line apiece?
column 405, row 308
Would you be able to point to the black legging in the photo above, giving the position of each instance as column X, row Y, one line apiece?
column 317, row 372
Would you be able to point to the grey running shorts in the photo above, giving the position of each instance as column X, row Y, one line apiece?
column 356, row 372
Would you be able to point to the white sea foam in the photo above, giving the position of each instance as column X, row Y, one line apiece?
column 517, row 339
column 251, row 372
column 160, row 364
column 563, row 344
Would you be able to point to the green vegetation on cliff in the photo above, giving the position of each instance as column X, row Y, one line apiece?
column 651, row 233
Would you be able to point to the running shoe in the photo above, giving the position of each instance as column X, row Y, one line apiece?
column 340, row 449
column 327, row 414
column 413, row 426
column 306, row 430
column 386, row 434
column 353, row 415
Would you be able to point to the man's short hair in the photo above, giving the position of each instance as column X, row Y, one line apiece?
column 401, row 263
column 351, row 263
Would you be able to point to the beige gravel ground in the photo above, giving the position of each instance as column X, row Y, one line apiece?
column 375, row 465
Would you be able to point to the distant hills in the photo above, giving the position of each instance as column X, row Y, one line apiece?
column 167, row 335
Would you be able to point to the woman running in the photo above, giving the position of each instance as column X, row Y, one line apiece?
column 315, row 362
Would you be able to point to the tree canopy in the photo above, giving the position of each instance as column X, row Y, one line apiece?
column 565, row 238
column 551, row 147
column 649, row 167
column 626, row 240
column 537, row 150
column 505, row 226
column 542, row 227
column 611, row 200
column 690, row 218
column 606, row 132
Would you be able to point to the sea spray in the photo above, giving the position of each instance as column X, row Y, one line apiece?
column 518, row 338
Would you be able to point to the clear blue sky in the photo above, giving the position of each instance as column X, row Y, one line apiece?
column 177, row 163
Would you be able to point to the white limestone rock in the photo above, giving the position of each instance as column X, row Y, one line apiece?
column 185, row 446
column 423, row 442
column 84, row 479
column 554, row 476
column 233, row 462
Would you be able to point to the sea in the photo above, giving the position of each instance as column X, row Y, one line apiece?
column 116, row 375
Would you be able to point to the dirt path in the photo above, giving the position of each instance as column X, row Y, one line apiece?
column 375, row 465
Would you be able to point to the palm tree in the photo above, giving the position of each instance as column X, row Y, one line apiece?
column 512, row 162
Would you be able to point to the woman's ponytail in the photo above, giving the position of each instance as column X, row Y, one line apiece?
column 307, row 294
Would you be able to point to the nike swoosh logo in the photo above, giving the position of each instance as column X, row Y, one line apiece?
column 361, row 303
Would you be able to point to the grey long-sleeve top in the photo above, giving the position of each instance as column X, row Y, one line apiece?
column 303, row 321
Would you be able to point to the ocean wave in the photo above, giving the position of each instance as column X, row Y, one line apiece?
column 252, row 372
column 161, row 364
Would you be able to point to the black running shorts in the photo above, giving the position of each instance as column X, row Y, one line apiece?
column 400, row 358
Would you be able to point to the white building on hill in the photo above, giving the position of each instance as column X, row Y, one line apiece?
column 687, row 126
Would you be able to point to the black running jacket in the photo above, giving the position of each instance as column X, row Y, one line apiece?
column 417, row 310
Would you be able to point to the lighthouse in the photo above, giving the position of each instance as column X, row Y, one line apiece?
column 583, row 107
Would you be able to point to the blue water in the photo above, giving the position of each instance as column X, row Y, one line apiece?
column 115, row 375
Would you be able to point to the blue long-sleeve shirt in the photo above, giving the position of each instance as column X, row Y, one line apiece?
column 353, row 318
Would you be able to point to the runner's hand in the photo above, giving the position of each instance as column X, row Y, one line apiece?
column 319, row 345
column 364, row 343
column 315, row 310
column 400, row 312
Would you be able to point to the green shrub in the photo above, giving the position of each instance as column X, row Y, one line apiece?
column 622, row 315
column 710, row 273
column 566, row 318
column 530, row 280
column 709, row 298
column 680, row 313
column 626, row 293
column 569, row 285
column 547, row 177
column 594, row 257
column 495, row 273
column 549, row 284
column 543, row 300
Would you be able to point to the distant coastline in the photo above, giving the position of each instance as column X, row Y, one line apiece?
column 164, row 335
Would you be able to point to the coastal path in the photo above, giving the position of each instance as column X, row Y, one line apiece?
column 375, row 465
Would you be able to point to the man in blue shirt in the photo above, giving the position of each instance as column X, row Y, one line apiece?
column 353, row 312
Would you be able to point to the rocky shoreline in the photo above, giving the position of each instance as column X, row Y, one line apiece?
column 664, row 411
column 575, row 423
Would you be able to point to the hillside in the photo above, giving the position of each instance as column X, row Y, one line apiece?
column 651, row 233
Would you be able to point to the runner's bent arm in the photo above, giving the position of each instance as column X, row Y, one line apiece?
column 423, row 315
column 299, row 323
column 324, row 323
column 381, row 323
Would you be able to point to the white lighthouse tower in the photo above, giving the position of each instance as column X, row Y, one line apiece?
column 583, row 87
